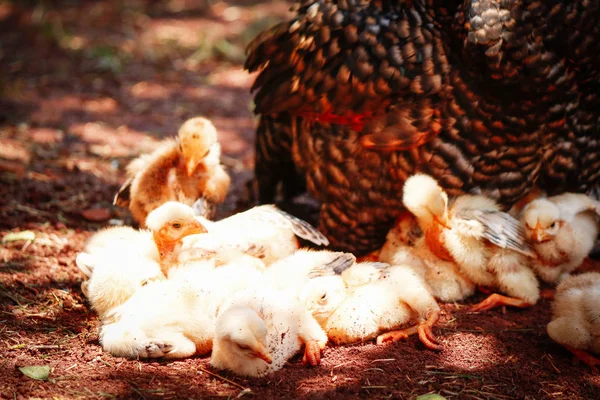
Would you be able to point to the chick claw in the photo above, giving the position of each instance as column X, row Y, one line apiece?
column 584, row 357
column 497, row 300
column 312, row 353
column 424, row 331
column 155, row 350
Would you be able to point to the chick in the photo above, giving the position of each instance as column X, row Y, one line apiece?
column 170, row 224
column 487, row 244
column 562, row 231
column 117, row 262
column 182, row 169
column 370, row 306
column 260, row 329
column 576, row 317
column 293, row 272
column 266, row 227
column 406, row 246
column 176, row 318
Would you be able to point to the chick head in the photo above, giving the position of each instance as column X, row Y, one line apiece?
column 171, row 222
column 542, row 220
column 323, row 295
column 242, row 335
column 196, row 137
column 425, row 198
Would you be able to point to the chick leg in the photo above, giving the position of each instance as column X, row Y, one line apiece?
column 312, row 352
column 497, row 300
column 585, row 357
column 424, row 331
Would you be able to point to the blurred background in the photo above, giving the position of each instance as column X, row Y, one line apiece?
column 87, row 85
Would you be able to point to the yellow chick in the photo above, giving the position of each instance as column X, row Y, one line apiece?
column 176, row 318
column 562, row 231
column 182, row 169
column 117, row 262
column 260, row 329
column 576, row 317
column 488, row 245
column 374, row 305
column 266, row 227
column 294, row 271
column 170, row 224
column 404, row 246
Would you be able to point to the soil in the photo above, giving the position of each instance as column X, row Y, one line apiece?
column 87, row 85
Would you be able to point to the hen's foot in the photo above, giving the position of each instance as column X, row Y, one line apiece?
column 497, row 300
column 424, row 330
column 585, row 357
column 312, row 353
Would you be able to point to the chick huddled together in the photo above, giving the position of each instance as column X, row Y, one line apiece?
column 242, row 289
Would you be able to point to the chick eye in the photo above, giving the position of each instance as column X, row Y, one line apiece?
column 324, row 296
column 553, row 225
column 176, row 225
column 243, row 347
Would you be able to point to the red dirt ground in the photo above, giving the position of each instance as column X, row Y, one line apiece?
column 85, row 86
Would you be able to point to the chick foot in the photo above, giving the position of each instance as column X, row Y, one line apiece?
column 497, row 300
column 312, row 353
column 424, row 331
column 155, row 350
column 584, row 357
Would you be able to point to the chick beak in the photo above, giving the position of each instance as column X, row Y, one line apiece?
column 443, row 220
column 539, row 234
column 263, row 354
column 191, row 165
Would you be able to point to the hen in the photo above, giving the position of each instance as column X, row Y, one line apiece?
column 489, row 97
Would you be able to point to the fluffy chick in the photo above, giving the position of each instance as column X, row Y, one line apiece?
column 266, row 227
column 404, row 246
column 170, row 224
column 117, row 262
column 562, row 231
column 399, row 295
column 260, row 329
column 576, row 317
column 176, row 318
column 182, row 169
column 488, row 245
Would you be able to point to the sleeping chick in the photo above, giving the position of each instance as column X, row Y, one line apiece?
column 576, row 317
column 117, row 262
column 182, row 169
column 176, row 318
column 372, row 306
column 487, row 244
column 266, row 228
column 404, row 246
column 259, row 329
column 562, row 231
column 294, row 271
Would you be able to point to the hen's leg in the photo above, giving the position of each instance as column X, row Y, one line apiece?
column 497, row 300
column 274, row 164
column 424, row 331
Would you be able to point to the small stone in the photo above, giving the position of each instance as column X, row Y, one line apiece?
column 96, row 214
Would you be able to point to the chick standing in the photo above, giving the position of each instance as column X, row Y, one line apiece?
column 182, row 169
column 562, row 231
column 576, row 317
column 259, row 329
column 487, row 244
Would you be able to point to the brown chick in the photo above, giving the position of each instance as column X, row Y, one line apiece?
column 183, row 169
